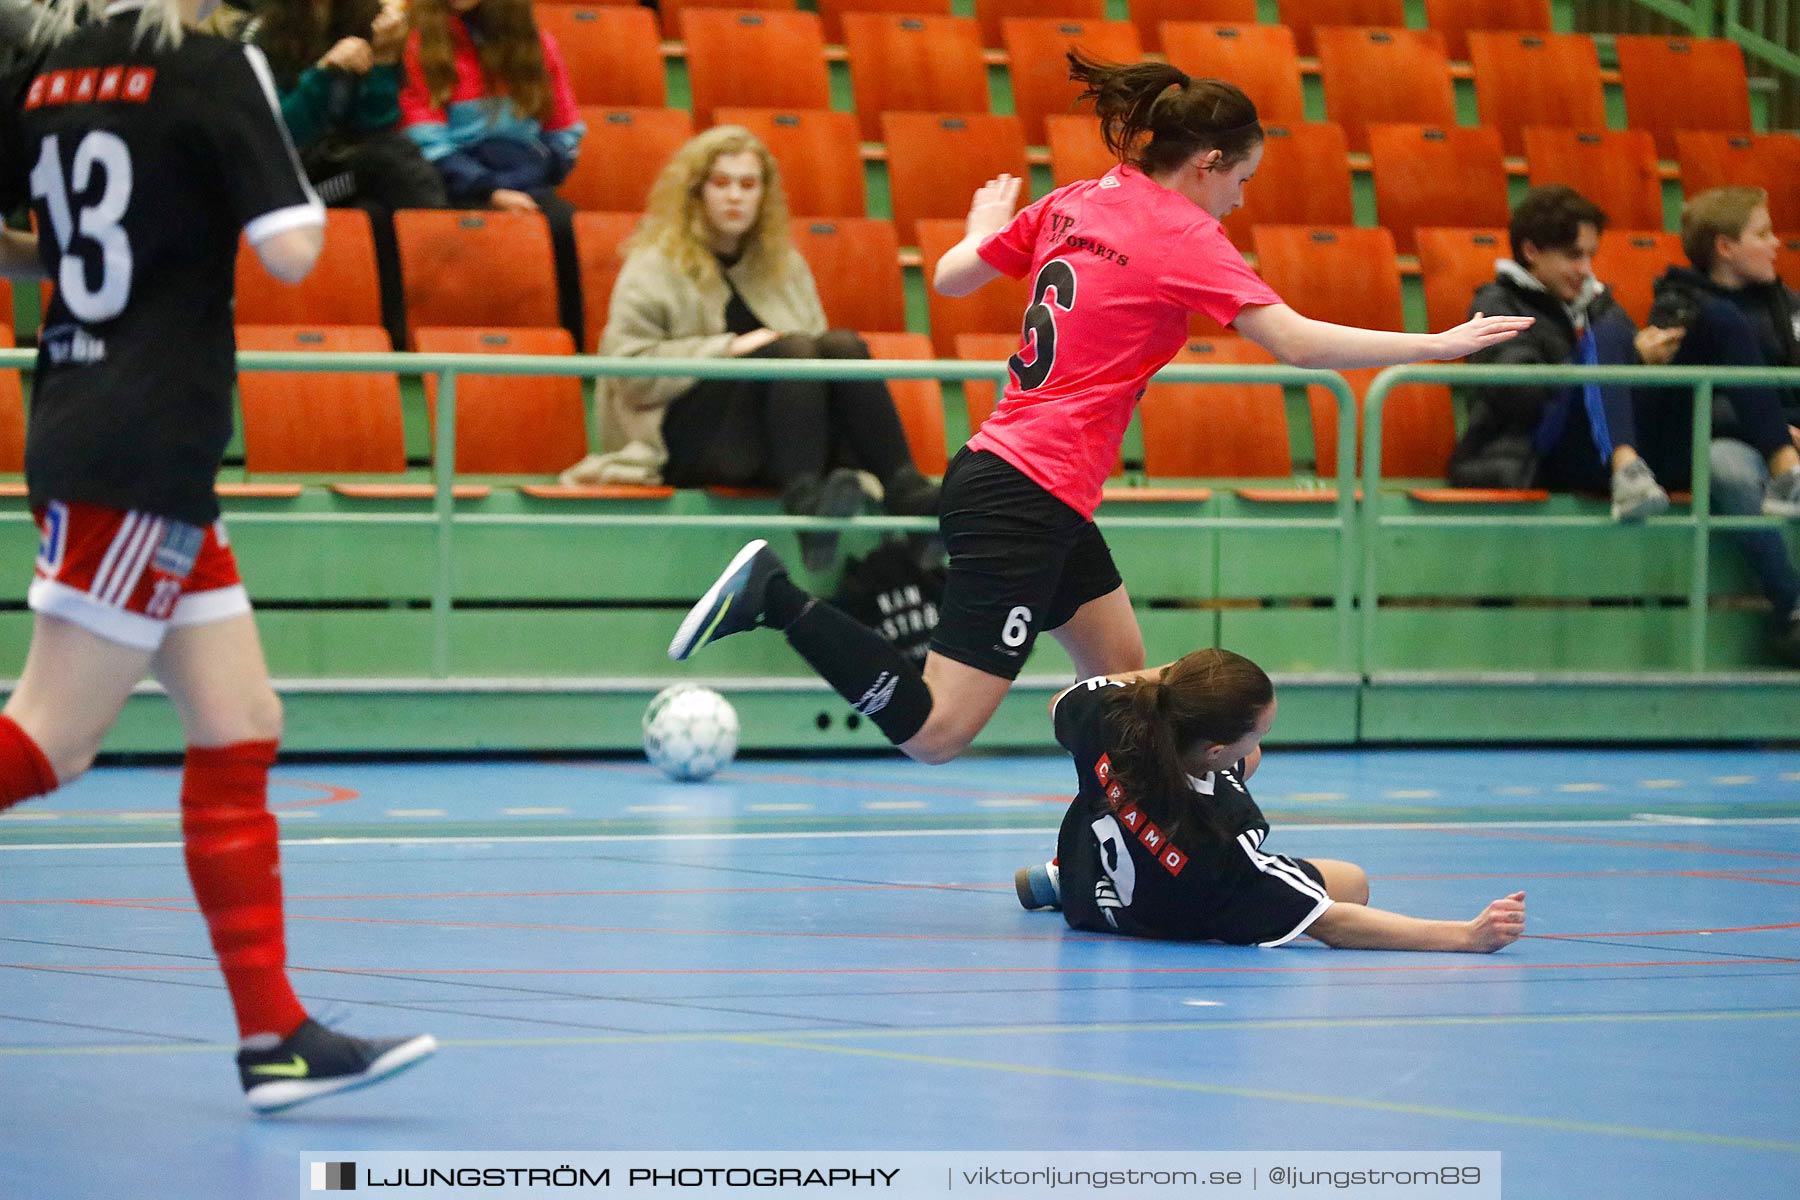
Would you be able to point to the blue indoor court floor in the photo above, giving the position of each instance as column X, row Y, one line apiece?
column 822, row 954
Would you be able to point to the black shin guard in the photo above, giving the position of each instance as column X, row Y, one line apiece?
column 867, row 671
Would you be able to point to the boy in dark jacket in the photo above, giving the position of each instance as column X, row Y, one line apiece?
column 1563, row 437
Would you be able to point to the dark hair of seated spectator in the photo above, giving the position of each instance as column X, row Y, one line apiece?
column 711, row 273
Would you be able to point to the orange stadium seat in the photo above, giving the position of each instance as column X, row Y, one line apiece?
column 997, row 307
column 598, row 239
column 832, row 12
column 1787, row 261
column 1455, row 262
column 1629, row 263
column 1305, row 17
column 980, row 396
column 476, row 268
column 511, row 424
column 12, row 407
column 1036, row 48
column 611, row 53
column 991, row 12
column 1769, row 161
column 1682, row 83
column 624, row 150
column 1260, row 59
column 1150, row 15
column 820, row 154
column 1304, row 179
column 730, row 55
column 1456, row 19
column 1210, row 429
column 920, row 402
column 1384, row 75
column 1616, row 169
column 1524, row 79
column 855, row 263
column 1427, row 175
column 674, row 12
column 1334, row 273
column 1418, row 427
column 342, row 288
column 937, row 160
column 913, row 64
column 1077, row 151
column 298, row 422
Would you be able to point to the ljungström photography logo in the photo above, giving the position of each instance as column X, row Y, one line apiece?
column 333, row 1177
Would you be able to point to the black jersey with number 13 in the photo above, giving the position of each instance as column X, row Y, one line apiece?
column 141, row 164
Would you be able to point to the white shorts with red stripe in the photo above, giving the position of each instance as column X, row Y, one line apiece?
column 130, row 576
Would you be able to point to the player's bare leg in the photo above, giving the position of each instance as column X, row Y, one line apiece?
column 1344, row 881
column 963, row 700
column 1103, row 636
column 71, row 691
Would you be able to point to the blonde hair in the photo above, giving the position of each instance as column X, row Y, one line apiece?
column 159, row 21
column 1721, row 212
column 675, row 216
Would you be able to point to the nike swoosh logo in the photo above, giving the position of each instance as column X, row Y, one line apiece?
column 289, row 1070
column 723, row 609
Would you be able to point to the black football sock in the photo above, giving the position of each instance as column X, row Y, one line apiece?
column 875, row 678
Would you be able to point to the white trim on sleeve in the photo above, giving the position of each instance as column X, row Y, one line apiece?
column 258, row 228
column 295, row 216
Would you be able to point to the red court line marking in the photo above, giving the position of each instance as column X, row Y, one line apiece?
column 861, row 887
column 1663, row 932
column 1345, row 970
column 1689, row 847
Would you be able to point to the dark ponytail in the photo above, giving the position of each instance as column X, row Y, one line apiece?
column 1209, row 697
column 1179, row 115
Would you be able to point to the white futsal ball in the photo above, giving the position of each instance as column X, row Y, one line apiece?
column 690, row 731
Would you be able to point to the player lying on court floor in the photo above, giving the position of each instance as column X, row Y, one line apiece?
column 1164, row 841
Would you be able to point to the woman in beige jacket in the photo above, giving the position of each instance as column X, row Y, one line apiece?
column 711, row 274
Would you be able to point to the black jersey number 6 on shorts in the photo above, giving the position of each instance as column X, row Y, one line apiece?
column 1040, row 322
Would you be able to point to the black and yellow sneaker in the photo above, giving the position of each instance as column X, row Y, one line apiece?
column 732, row 604
column 314, row 1061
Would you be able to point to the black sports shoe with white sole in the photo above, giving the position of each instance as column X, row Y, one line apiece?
column 314, row 1061
column 732, row 604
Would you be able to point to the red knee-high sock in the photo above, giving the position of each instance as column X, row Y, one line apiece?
column 234, row 863
column 24, row 771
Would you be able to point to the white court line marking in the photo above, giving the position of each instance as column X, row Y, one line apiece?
column 1733, row 780
column 1308, row 797
column 1791, row 776
column 780, row 807
column 30, row 814
column 1661, row 783
column 534, row 812
column 1670, row 819
column 826, row 834
column 1581, row 787
column 297, row 814
column 892, row 805
column 415, row 812
column 1410, row 794
column 1008, row 802
column 656, row 808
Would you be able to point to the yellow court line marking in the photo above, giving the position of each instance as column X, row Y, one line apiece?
column 1212, row 1089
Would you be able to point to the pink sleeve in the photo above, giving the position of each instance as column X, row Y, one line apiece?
column 1010, row 251
column 562, row 95
column 415, row 98
column 1206, row 273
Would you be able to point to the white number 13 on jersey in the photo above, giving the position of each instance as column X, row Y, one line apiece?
column 96, row 223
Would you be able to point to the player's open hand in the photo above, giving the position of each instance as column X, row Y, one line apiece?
column 993, row 205
column 1500, row 924
column 1478, row 333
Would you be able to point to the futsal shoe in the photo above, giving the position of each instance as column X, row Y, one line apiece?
column 314, row 1061
column 1039, row 887
column 733, row 604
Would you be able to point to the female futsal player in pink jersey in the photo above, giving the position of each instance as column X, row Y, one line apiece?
column 1117, row 264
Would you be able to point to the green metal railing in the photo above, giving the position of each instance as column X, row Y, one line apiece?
column 1703, row 381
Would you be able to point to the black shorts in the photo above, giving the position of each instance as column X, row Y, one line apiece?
column 1021, row 561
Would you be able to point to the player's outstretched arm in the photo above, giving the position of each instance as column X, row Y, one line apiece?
column 961, row 270
column 1303, row 342
column 1359, row 927
column 19, row 255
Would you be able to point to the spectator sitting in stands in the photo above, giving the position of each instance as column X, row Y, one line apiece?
column 1562, row 437
column 710, row 273
column 336, row 65
column 488, row 100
